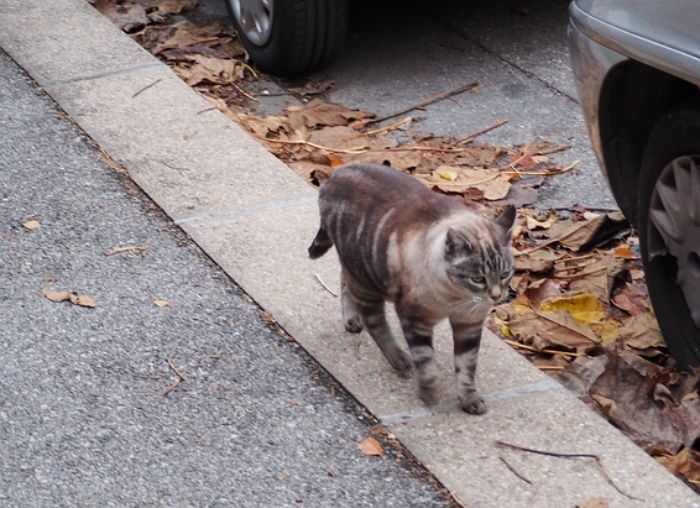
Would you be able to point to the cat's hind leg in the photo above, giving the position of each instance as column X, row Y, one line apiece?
column 352, row 320
column 374, row 319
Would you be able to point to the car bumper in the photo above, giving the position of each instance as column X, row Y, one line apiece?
column 591, row 63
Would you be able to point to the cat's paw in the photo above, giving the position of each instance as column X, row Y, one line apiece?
column 401, row 362
column 428, row 394
column 353, row 324
column 473, row 404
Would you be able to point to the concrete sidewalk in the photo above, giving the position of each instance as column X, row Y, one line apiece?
column 255, row 218
column 83, row 418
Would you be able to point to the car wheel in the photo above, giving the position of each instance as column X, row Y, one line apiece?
column 287, row 37
column 669, row 229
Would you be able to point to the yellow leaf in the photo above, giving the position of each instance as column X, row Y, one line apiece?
column 608, row 330
column 448, row 174
column 74, row 298
column 31, row 224
column 371, row 447
column 623, row 251
column 585, row 308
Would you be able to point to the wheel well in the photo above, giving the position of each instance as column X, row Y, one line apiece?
column 633, row 97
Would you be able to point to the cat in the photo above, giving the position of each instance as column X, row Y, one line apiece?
column 425, row 252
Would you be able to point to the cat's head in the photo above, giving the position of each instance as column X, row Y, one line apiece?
column 479, row 258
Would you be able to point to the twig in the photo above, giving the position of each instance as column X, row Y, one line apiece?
column 599, row 461
column 354, row 150
column 147, row 87
column 471, row 137
column 554, row 149
column 127, row 248
column 557, row 171
column 206, row 109
column 244, row 93
column 513, row 470
column 435, row 98
column 180, row 377
column 324, row 285
column 535, row 350
column 550, row 367
column 176, row 168
column 423, row 149
column 388, row 128
column 580, row 274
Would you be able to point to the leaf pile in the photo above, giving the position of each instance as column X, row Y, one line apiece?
column 582, row 311
column 581, row 308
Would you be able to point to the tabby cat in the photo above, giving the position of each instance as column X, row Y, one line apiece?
column 425, row 252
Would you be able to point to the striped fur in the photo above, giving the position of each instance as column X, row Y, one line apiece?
column 424, row 252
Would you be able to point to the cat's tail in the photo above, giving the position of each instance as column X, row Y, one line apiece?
column 321, row 244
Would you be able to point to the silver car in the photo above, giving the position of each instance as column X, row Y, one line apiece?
column 637, row 66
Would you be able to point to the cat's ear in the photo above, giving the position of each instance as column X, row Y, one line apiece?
column 507, row 222
column 455, row 243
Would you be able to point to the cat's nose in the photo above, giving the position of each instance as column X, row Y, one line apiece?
column 495, row 294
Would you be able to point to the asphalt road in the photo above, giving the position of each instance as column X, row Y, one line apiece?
column 83, row 416
column 402, row 51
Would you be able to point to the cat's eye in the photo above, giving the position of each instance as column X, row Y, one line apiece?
column 477, row 279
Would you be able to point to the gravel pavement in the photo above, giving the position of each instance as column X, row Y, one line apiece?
column 83, row 418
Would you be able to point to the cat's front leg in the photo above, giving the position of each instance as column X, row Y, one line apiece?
column 419, row 336
column 352, row 320
column 467, row 337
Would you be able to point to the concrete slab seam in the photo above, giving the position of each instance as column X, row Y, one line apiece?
column 265, row 206
column 507, row 393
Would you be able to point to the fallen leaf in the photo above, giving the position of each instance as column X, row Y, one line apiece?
column 173, row 6
column 371, row 447
column 533, row 265
column 31, row 225
column 594, row 502
column 585, row 308
column 644, row 407
column 318, row 113
column 542, row 330
column 625, row 252
column 161, row 303
column 129, row 17
column 587, row 234
column 642, row 332
column 532, row 223
column 457, row 180
column 74, row 298
column 685, row 463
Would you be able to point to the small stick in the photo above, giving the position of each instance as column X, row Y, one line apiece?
column 244, row 93
column 354, row 150
column 470, row 137
column 324, row 285
column 127, row 248
column 534, row 350
column 180, row 377
column 206, row 109
column 513, row 470
column 388, row 128
column 580, row 274
column 435, row 98
column 543, row 173
column 599, row 461
column 554, row 149
column 147, row 87
column 550, row 367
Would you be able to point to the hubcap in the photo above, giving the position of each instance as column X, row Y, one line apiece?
column 674, row 225
column 255, row 19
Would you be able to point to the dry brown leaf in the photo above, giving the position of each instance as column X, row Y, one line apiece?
column 65, row 296
column 644, row 407
column 371, row 447
column 642, row 332
column 532, row 223
column 542, row 289
column 489, row 181
column 340, row 136
column 161, row 303
column 173, row 6
column 594, row 502
column 625, row 252
column 128, row 17
column 319, row 113
column 188, row 35
column 685, row 463
column 533, row 265
column 585, row 234
column 31, row 225
column 545, row 330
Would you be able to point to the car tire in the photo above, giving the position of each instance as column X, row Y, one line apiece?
column 304, row 35
column 670, row 161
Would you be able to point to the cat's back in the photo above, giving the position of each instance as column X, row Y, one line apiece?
column 369, row 185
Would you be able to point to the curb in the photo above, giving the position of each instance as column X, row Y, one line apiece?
column 254, row 217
